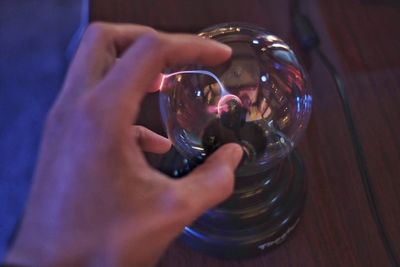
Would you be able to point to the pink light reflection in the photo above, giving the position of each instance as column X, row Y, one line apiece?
column 223, row 102
column 163, row 76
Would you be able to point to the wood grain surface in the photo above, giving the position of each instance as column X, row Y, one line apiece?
column 363, row 40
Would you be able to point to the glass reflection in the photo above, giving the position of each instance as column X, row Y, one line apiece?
column 259, row 98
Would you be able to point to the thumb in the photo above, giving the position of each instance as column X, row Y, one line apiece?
column 212, row 182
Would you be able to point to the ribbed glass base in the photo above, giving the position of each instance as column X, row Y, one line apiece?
column 260, row 214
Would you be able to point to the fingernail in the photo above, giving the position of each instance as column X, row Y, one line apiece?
column 235, row 152
column 223, row 46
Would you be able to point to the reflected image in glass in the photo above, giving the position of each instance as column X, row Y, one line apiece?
column 259, row 98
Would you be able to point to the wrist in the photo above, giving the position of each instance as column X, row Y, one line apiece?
column 36, row 249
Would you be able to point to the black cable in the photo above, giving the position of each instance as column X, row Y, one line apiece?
column 309, row 40
column 360, row 157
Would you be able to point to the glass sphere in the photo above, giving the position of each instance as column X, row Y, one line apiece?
column 259, row 98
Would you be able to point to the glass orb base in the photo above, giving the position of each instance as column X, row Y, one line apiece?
column 263, row 210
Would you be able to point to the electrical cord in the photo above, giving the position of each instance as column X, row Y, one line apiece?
column 309, row 40
column 360, row 157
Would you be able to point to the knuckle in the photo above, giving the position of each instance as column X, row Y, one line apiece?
column 55, row 116
column 97, row 27
column 89, row 110
column 60, row 111
column 139, row 132
column 152, row 40
column 149, row 30
column 176, row 201
column 57, row 120
column 97, row 31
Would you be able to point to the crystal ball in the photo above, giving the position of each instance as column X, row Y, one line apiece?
column 259, row 98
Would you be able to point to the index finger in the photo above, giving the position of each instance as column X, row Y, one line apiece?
column 101, row 44
column 126, row 84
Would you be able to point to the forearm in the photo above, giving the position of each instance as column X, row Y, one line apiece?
column 146, row 238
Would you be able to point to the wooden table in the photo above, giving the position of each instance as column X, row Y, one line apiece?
column 362, row 37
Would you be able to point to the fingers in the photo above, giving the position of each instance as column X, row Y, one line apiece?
column 101, row 44
column 149, row 141
column 212, row 182
column 126, row 84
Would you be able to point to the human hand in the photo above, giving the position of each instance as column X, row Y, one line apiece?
column 95, row 200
